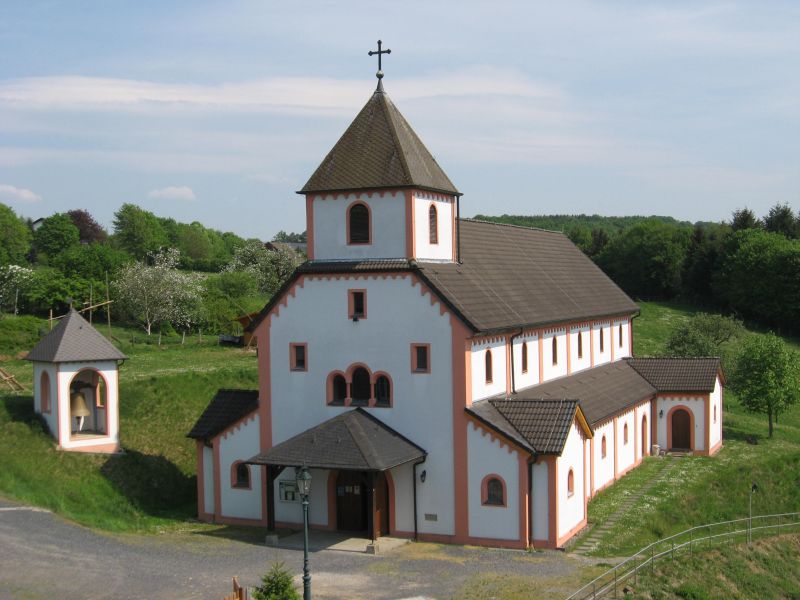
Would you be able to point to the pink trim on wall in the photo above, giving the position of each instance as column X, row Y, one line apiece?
column 264, row 384
column 409, row 199
column 201, row 495
column 669, row 425
column 45, row 404
column 351, row 303
column 414, row 368
column 96, row 377
column 432, row 206
column 485, row 491
column 569, row 353
column 391, row 501
column 462, row 397
column 293, row 357
column 217, row 481
column 524, row 499
column 309, row 227
column 234, row 479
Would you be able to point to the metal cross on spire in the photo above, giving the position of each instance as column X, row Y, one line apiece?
column 379, row 74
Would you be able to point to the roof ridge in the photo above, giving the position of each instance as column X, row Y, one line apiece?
column 385, row 103
column 349, row 425
column 482, row 221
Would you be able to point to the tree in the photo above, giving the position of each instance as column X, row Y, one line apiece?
column 13, row 280
column 282, row 236
column 15, row 237
column 91, row 261
column 276, row 584
column 767, row 376
column 703, row 258
column 157, row 294
column 781, row 219
column 138, row 231
column 704, row 335
column 55, row 234
column 744, row 219
column 269, row 268
column 90, row 230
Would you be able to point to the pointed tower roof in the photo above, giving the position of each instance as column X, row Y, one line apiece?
column 74, row 340
column 379, row 150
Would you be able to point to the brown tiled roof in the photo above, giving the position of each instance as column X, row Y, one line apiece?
column 353, row 440
column 227, row 407
column 602, row 391
column 74, row 340
column 678, row 374
column 379, row 150
column 543, row 424
column 355, row 266
column 518, row 276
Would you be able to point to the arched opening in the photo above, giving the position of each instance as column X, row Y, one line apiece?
column 358, row 225
column 240, row 475
column 338, row 391
column 524, row 357
column 603, row 447
column 625, row 433
column 715, row 413
column 360, row 387
column 383, row 391
column 88, row 402
column 555, row 350
column 488, row 366
column 681, row 425
column 580, row 344
column 493, row 492
column 570, row 483
column 433, row 225
column 645, row 445
column 44, row 392
column 620, row 336
column 602, row 342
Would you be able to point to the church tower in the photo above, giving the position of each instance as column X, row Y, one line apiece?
column 380, row 194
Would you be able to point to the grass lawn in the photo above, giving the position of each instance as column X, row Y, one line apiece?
column 702, row 489
column 163, row 391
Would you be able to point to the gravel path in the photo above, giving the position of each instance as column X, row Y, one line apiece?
column 43, row 556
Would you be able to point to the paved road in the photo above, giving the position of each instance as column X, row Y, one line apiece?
column 43, row 556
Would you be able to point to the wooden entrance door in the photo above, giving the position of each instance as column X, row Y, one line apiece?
column 681, row 430
column 351, row 501
column 381, row 505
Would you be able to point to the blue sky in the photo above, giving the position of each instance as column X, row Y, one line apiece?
column 218, row 112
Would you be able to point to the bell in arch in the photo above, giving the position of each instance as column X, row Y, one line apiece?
column 78, row 408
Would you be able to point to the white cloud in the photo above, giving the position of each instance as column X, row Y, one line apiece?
column 179, row 192
column 15, row 194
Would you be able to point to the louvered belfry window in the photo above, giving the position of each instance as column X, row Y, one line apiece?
column 433, row 225
column 359, row 224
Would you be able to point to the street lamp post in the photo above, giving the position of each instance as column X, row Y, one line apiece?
column 304, row 488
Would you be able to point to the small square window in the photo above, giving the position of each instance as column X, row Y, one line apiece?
column 357, row 304
column 420, row 358
column 298, row 355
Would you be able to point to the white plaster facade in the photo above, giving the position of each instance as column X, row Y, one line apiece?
column 696, row 405
column 555, row 365
column 445, row 212
column 240, row 441
column 481, row 386
column 571, row 505
column 530, row 376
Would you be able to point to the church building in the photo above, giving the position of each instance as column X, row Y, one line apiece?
column 442, row 378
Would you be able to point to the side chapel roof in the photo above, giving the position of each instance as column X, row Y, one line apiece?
column 679, row 374
column 227, row 407
column 379, row 150
column 74, row 340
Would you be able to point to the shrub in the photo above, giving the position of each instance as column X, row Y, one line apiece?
column 276, row 585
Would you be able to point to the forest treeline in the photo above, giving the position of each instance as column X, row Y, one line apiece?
column 70, row 258
column 748, row 267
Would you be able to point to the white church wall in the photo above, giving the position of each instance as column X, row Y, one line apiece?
column 644, row 434
column 208, row 480
column 584, row 360
column 481, row 388
column 557, row 368
column 571, row 506
column 403, row 480
column 601, row 356
column 715, row 433
column 424, row 250
column 621, row 350
column 531, row 376
column 67, row 371
column 540, row 501
column 626, row 452
column 51, row 416
column 487, row 456
column 240, row 443
column 603, row 466
column 398, row 316
column 387, row 219
column 291, row 511
column 695, row 405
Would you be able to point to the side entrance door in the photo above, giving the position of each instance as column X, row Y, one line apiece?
column 681, row 430
column 351, row 501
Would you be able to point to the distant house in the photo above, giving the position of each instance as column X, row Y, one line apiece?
column 37, row 223
column 248, row 338
column 299, row 247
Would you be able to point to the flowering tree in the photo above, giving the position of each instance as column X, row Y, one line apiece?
column 12, row 280
column 269, row 268
column 158, row 293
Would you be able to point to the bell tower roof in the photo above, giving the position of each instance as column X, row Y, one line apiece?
column 379, row 150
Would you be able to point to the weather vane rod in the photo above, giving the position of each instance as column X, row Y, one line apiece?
column 379, row 74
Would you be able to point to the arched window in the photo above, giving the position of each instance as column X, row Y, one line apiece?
column 603, row 447
column 715, row 414
column 433, row 225
column 383, row 391
column 524, row 357
column 555, row 350
column 580, row 344
column 358, row 226
column 488, row 366
column 625, row 433
column 602, row 341
column 360, row 386
column 338, row 390
column 240, row 475
column 620, row 336
column 494, row 493
column 44, row 392
column 570, row 483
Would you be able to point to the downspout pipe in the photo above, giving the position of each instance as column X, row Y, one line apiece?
column 511, row 342
column 458, row 229
column 414, row 487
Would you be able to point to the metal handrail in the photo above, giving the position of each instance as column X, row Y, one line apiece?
column 647, row 556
